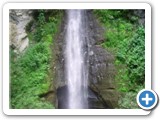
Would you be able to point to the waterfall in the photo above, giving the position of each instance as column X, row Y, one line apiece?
column 75, row 60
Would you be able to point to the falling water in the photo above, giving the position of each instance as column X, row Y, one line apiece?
column 76, row 73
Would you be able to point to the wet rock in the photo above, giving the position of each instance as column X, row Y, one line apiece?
column 62, row 98
column 58, row 50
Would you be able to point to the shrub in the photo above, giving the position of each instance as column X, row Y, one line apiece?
column 28, row 75
column 29, row 71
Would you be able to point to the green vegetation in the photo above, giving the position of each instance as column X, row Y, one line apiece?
column 125, row 38
column 29, row 70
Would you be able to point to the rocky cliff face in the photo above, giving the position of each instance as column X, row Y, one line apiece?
column 101, row 68
column 102, row 89
column 18, row 19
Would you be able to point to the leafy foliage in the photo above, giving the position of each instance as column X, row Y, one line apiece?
column 131, row 55
column 29, row 71
column 128, row 99
column 125, row 39
column 136, row 57
column 28, row 75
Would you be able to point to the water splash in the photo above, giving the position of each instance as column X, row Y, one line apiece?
column 76, row 73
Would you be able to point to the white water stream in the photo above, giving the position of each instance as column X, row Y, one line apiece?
column 75, row 61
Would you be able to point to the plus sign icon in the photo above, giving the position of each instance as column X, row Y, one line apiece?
column 147, row 99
